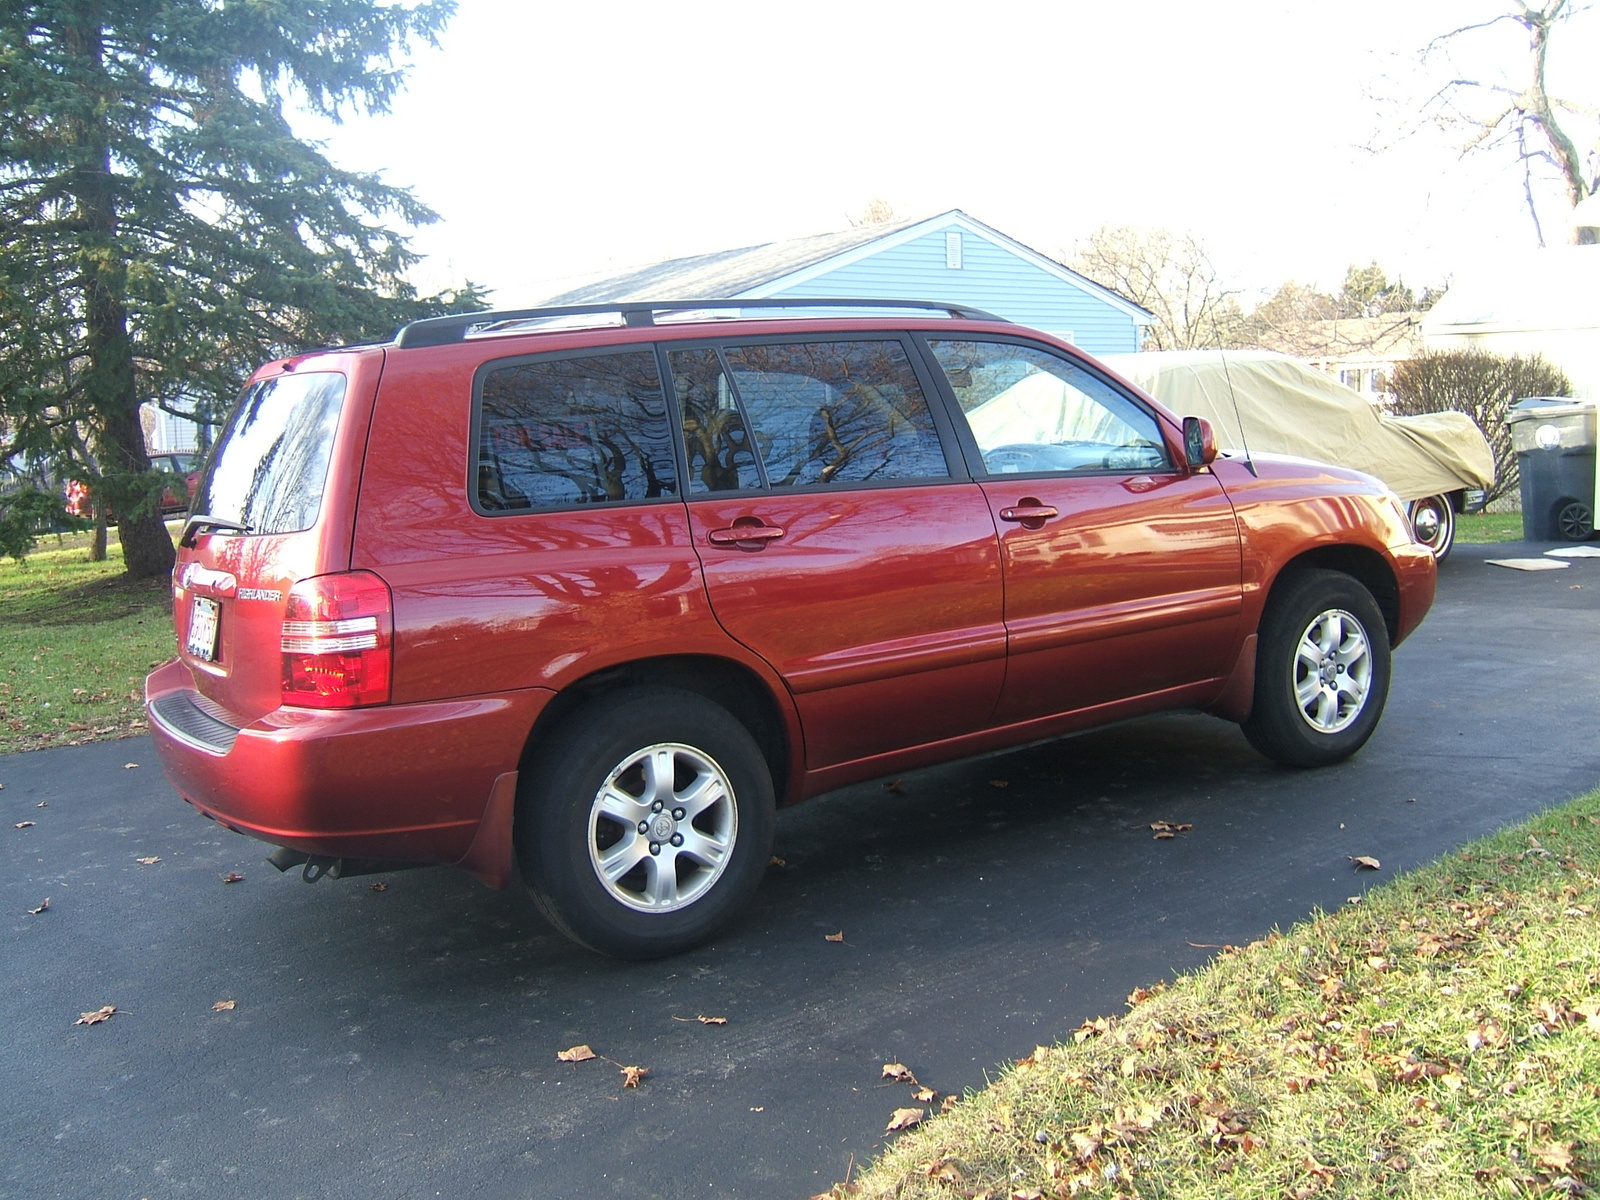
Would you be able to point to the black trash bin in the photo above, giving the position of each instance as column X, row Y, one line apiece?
column 1554, row 438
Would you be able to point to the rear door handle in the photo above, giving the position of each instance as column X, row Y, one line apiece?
column 744, row 531
column 1029, row 512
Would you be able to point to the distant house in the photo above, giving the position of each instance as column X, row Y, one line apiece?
column 1545, row 302
column 951, row 257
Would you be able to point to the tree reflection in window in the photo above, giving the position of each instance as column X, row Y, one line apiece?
column 715, row 440
column 836, row 412
column 571, row 431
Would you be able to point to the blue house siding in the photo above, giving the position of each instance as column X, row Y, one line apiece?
column 990, row 277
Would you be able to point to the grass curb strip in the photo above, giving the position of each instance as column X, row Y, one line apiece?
column 1439, row 1039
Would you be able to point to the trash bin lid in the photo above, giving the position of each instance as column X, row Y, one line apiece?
column 1542, row 408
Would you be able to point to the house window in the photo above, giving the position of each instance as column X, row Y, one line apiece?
column 952, row 250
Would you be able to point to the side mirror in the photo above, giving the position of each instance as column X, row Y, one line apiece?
column 1199, row 443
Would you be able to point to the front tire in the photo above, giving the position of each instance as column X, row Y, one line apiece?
column 645, row 823
column 1433, row 523
column 1322, row 671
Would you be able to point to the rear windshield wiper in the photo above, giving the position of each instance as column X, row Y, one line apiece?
column 203, row 523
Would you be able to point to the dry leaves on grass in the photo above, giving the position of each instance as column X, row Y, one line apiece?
column 576, row 1054
column 98, row 1015
column 223, row 1006
column 1365, row 862
column 905, row 1118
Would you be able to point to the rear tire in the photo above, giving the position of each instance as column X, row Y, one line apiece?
column 1322, row 670
column 645, row 823
column 1433, row 523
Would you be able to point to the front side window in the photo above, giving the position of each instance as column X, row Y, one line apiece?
column 1033, row 412
column 557, row 433
column 270, row 464
column 836, row 413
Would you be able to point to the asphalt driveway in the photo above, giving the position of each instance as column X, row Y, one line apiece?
column 402, row 1042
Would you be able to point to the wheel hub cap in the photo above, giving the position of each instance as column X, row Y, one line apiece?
column 1332, row 671
column 662, row 827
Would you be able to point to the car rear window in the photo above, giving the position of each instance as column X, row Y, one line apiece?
column 270, row 465
column 836, row 412
column 560, row 432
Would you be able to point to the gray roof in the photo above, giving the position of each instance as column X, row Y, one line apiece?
column 727, row 273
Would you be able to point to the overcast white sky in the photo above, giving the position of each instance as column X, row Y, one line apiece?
column 558, row 139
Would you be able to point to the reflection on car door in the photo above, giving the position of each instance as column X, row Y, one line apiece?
column 1122, row 570
column 835, row 542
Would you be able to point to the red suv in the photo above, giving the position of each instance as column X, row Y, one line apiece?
column 594, row 590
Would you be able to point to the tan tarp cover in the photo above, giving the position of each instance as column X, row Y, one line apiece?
column 1290, row 407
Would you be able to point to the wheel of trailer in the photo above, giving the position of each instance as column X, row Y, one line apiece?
column 1322, row 670
column 1433, row 523
column 1575, row 521
column 646, row 822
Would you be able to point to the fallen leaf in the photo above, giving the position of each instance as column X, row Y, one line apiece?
column 129, row 766
column 704, row 1020
column 1000, row 783
column 945, row 1170
column 833, row 937
column 223, row 1006
column 1554, row 1156
column 378, row 887
column 905, row 1118
column 42, row 804
column 576, row 1055
column 24, row 824
column 948, row 1103
column 775, row 861
column 148, row 862
column 632, row 1075
column 1170, row 827
column 895, row 785
column 1164, row 835
column 98, row 1015
column 1588, row 1009
column 1365, row 861
column 759, row 1108
column 232, row 877
column 924, row 1095
column 43, row 904
column 898, row 1072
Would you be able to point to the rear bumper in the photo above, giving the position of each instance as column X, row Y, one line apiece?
column 405, row 782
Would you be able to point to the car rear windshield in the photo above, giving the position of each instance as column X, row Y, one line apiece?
column 271, row 462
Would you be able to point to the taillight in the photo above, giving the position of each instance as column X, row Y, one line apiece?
column 337, row 637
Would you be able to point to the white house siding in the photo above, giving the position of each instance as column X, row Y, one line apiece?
column 990, row 277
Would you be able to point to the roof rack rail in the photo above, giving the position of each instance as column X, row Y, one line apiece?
column 441, row 331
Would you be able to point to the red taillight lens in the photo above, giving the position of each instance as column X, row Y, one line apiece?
column 338, row 632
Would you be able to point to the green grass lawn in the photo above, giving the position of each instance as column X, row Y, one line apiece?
column 76, row 640
column 1489, row 527
column 1440, row 1039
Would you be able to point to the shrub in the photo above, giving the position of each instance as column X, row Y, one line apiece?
column 1481, row 384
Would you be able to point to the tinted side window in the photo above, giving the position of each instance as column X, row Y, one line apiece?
column 271, row 461
column 718, row 448
column 553, row 433
column 1032, row 412
column 836, row 412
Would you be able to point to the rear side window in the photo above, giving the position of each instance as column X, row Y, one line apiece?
column 556, row 433
column 835, row 413
column 270, row 465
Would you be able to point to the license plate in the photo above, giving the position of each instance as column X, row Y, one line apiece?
column 202, row 643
